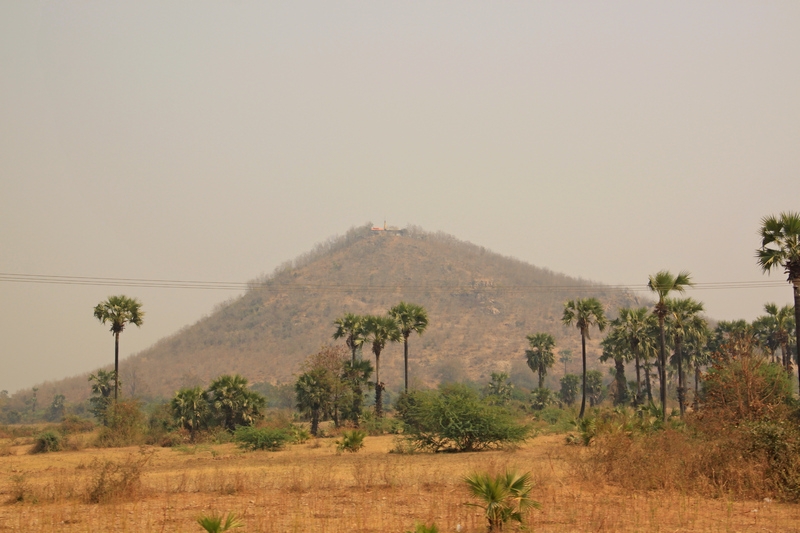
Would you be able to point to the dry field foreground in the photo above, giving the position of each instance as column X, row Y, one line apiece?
column 309, row 488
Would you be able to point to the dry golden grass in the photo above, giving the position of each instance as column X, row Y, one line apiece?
column 309, row 487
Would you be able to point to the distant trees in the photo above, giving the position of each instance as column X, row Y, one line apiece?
column 584, row 313
column 227, row 402
column 232, row 403
column 540, row 355
column 332, row 387
column 663, row 283
column 379, row 331
column 684, row 324
column 399, row 323
column 410, row 318
column 780, row 247
column 565, row 356
column 119, row 311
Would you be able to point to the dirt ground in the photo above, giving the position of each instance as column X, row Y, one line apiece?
column 310, row 488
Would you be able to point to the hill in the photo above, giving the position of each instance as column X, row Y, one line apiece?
column 481, row 306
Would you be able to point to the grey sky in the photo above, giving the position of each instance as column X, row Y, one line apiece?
column 216, row 140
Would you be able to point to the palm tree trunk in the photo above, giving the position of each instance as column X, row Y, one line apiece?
column 638, row 377
column 583, row 353
column 378, row 386
column 796, row 284
column 647, row 382
column 541, row 377
column 116, row 366
column 315, row 421
column 405, row 358
column 696, row 399
column 622, row 383
column 663, row 370
column 681, row 379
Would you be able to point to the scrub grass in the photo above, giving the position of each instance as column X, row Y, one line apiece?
column 309, row 487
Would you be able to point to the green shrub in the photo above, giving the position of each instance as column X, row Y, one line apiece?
column 570, row 388
column 455, row 418
column 271, row 439
column 504, row 497
column 47, row 441
column 541, row 398
column 214, row 523
column 351, row 441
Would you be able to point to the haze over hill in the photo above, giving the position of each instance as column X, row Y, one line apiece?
column 481, row 306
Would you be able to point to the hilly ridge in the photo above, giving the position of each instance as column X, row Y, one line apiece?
column 481, row 306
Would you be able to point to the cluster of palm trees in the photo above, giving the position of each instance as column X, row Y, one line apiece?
column 376, row 331
column 678, row 324
column 674, row 334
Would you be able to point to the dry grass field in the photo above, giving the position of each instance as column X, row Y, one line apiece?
column 309, row 488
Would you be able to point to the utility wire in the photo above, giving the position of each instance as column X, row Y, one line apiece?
column 279, row 287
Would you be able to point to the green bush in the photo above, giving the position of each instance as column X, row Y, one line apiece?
column 455, row 418
column 351, row 441
column 570, row 388
column 47, row 441
column 271, row 439
column 541, row 398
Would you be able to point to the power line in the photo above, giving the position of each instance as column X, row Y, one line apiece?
column 278, row 287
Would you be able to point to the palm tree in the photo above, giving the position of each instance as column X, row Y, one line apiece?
column 782, row 325
column 233, row 403
column 314, row 390
column 780, row 247
column 409, row 318
column 356, row 375
column 584, row 313
column 351, row 328
column 540, row 355
column 662, row 284
column 617, row 347
column 119, row 311
column 684, row 323
column 380, row 330
column 565, row 356
column 505, row 496
column 634, row 325
column 190, row 409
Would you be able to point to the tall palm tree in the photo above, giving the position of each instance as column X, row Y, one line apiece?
column 351, row 328
column 119, row 311
column 540, row 356
column 782, row 325
column 356, row 374
column 684, row 323
column 780, row 247
column 410, row 318
column 584, row 313
column 633, row 325
column 380, row 330
column 662, row 284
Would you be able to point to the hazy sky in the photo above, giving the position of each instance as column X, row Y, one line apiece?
column 215, row 140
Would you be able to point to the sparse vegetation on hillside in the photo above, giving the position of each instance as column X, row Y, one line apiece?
column 480, row 306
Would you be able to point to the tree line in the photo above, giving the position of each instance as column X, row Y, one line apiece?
column 677, row 326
